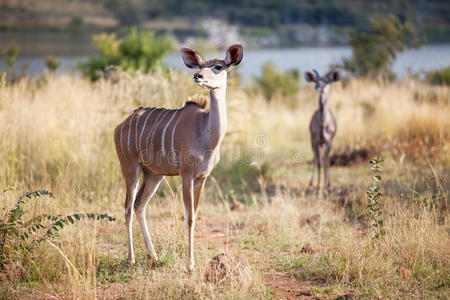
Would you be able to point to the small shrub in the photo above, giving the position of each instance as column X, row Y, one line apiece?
column 275, row 83
column 374, row 195
column 10, row 54
column 141, row 51
column 20, row 237
column 441, row 76
column 52, row 63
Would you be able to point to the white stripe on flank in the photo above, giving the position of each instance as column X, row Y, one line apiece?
column 172, row 150
column 157, row 120
column 129, row 130
column 136, row 130
column 121, row 127
column 157, row 124
column 143, row 127
column 163, row 150
column 120, row 139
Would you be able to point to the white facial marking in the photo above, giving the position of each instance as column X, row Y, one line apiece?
column 143, row 128
column 164, row 133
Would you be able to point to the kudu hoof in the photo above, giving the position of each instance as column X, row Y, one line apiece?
column 190, row 268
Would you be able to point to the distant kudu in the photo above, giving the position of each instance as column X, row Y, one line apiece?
column 160, row 142
column 322, row 126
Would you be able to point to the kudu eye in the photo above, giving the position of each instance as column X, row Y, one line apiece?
column 218, row 67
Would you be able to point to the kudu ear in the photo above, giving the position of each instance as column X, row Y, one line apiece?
column 192, row 59
column 333, row 76
column 234, row 55
column 310, row 77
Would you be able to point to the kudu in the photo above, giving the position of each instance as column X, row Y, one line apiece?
column 322, row 126
column 159, row 142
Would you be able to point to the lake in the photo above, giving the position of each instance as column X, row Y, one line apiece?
column 302, row 58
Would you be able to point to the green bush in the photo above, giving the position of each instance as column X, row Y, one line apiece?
column 274, row 83
column 441, row 76
column 141, row 51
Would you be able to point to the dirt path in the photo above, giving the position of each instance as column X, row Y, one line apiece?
column 218, row 230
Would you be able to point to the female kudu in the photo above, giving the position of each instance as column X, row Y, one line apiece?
column 160, row 142
column 322, row 126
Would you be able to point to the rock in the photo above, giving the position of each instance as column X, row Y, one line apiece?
column 226, row 268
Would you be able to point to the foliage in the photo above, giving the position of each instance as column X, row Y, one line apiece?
column 52, row 63
column 441, row 76
column 374, row 194
column 375, row 50
column 10, row 53
column 20, row 237
column 141, row 51
column 275, row 83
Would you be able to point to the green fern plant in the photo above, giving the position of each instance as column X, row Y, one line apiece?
column 19, row 237
column 374, row 195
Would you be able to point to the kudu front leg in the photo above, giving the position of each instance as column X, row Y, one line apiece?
column 326, row 165
column 199, row 183
column 188, row 199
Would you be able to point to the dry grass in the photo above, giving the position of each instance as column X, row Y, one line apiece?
column 57, row 135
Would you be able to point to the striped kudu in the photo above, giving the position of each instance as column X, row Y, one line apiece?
column 322, row 126
column 160, row 142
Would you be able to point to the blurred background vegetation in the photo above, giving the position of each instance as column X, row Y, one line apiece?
column 254, row 18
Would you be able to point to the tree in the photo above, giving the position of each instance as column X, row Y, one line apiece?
column 375, row 50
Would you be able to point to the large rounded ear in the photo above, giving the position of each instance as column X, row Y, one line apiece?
column 310, row 77
column 333, row 76
column 192, row 59
column 234, row 55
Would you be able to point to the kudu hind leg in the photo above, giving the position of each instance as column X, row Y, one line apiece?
column 149, row 186
column 131, row 176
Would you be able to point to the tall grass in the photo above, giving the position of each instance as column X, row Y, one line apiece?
column 56, row 134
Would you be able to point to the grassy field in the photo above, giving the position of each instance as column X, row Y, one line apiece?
column 57, row 134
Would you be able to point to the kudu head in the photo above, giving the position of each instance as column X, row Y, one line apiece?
column 322, row 83
column 213, row 73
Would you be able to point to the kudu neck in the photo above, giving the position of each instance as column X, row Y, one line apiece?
column 217, row 119
column 323, row 100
